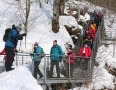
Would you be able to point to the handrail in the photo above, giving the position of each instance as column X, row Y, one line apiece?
column 96, row 44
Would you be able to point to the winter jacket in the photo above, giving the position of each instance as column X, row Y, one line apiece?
column 93, row 26
column 13, row 38
column 97, row 22
column 37, row 54
column 99, row 15
column 94, row 15
column 57, row 51
column 4, row 52
column 88, row 41
column 92, row 32
column 71, row 56
column 87, row 51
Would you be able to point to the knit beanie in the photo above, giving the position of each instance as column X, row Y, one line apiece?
column 19, row 26
column 36, row 44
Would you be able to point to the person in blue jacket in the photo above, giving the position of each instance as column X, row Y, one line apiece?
column 37, row 59
column 55, row 56
column 94, row 14
column 11, row 43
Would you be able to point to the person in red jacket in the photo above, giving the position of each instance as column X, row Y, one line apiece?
column 85, row 52
column 92, row 32
column 70, row 59
column 6, row 60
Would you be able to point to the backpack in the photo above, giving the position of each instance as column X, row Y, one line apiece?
column 42, row 53
column 7, row 32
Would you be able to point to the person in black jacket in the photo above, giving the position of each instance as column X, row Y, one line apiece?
column 97, row 22
column 89, row 41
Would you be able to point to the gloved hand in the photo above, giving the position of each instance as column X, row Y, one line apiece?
column 24, row 34
column 21, row 38
column 15, row 50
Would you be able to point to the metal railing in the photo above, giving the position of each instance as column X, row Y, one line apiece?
column 79, row 71
column 96, row 44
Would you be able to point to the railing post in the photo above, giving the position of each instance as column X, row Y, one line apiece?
column 99, row 36
column 22, row 59
column 69, row 69
column 90, row 70
column 45, row 69
column 16, row 60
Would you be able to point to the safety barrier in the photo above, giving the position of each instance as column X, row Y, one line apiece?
column 80, row 71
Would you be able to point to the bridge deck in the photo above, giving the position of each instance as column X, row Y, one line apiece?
column 79, row 75
column 62, row 80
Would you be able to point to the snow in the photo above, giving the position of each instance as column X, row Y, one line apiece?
column 18, row 79
column 101, row 78
column 40, row 31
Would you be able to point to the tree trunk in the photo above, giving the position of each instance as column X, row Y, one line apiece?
column 55, row 19
column 61, row 7
column 27, row 15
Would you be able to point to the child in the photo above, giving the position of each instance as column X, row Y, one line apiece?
column 70, row 59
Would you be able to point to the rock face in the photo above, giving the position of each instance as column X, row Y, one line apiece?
column 74, row 33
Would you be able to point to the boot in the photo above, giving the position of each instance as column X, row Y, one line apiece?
column 35, row 75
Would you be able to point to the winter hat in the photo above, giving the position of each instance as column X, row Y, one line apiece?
column 36, row 44
column 55, row 41
column 19, row 26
